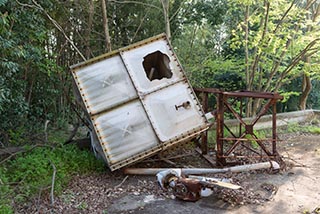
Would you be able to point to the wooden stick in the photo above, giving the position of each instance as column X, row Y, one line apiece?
column 52, row 182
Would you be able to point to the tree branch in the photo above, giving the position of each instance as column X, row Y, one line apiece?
column 22, row 150
column 56, row 24
column 283, row 17
column 264, row 32
column 136, row 32
column 295, row 61
column 135, row 2
column 52, row 182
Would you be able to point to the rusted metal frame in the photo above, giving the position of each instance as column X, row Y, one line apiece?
column 240, row 114
column 234, row 112
column 229, row 130
column 208, row 90
column 239, row 118
column 261, row 145
column 206, row 157
column 219, row 130
column 204, row 137
column 222, row 103
column 233, row 101
column 252, row 150
column 263, row 111
column 234, row 145
column 264, row 95
column 274, row 131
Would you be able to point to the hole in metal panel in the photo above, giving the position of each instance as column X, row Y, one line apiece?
column 156, row 66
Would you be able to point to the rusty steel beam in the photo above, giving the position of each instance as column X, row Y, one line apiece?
column 208, row 90
column 264, row 110
column 261, row 145
column 274, row 129
column 221, row 161
column 234, row 145
column 204, row 137
column 234, row 113
column 251, row 94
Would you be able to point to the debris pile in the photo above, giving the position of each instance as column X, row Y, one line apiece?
column 186, row 186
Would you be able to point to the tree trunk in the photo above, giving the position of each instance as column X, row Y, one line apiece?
column 248, row 80
column 106, row 26
column 306, row 82
column 89, row 29
column 165, row 6
column 306, row 89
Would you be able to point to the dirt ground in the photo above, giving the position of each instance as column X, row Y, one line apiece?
column 294, row 190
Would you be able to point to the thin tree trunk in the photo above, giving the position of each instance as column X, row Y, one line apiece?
column 106, row 26
column 89, row 29
column 246, row 49
column 306, row 81
column 306, row 89
column 165, row 6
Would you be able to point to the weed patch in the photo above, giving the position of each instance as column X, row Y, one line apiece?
column 29, row 173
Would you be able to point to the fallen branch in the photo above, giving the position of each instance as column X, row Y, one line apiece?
column 46, row 130
column 10, row 150
column 119, row 185
column 52, row 182
column 21, row 150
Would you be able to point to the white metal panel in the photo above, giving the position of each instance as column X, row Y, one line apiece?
column 105, row 84
column 168, row 121
column 134, row 59
column 124, row 132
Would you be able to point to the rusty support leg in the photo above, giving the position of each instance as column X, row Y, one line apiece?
column 204, row 137
column 241, row 111
column 221, row 161
column 274, row 129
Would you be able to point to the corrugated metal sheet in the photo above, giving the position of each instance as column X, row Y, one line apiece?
column 138, row 107
column 169, row 120
column 102, row 88
column 125, row 131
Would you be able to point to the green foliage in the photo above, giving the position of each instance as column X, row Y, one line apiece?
column 314, row 98
column 5, row 191
column 302, row 128
column 313, row 129
column 17, row 137
column 26, row 175
column 293, row 127
column 31, row 90
column 281, row 43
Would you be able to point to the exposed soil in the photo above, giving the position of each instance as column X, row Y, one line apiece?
column 293, row 190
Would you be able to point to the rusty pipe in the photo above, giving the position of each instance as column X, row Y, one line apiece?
column 198, row 171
